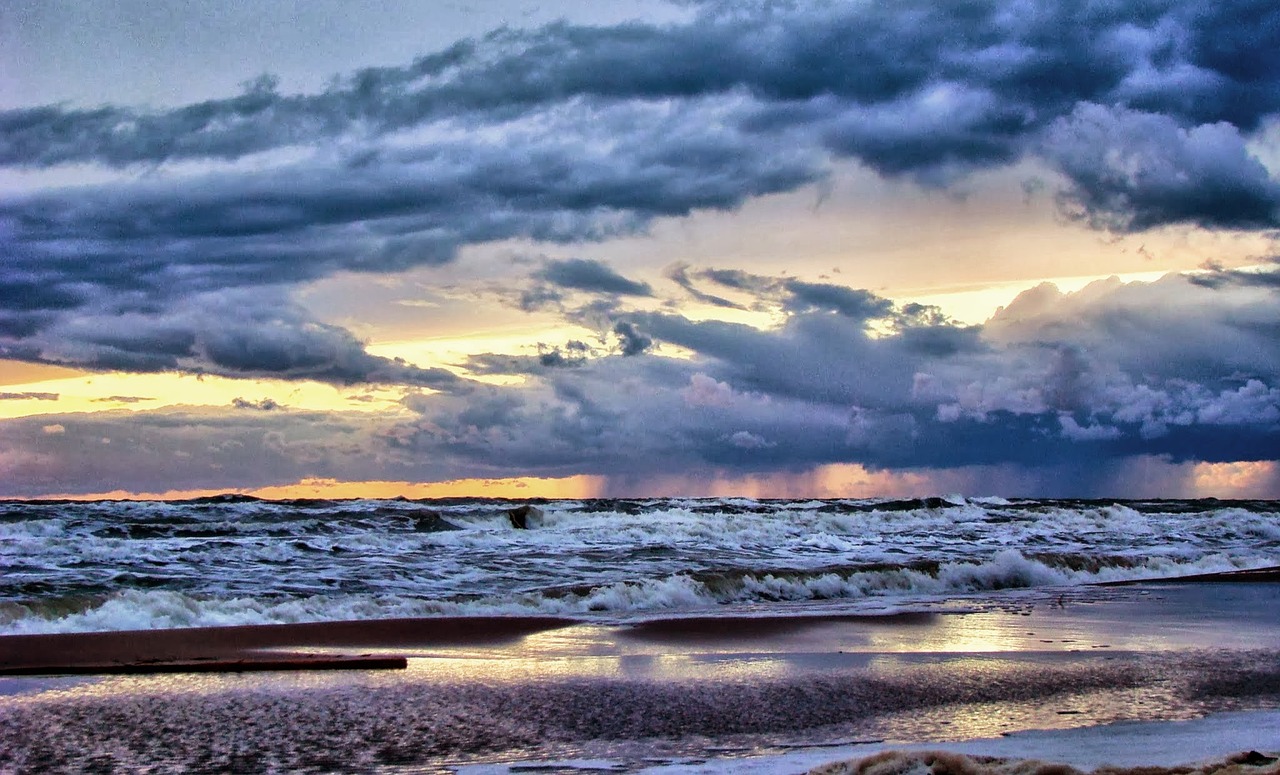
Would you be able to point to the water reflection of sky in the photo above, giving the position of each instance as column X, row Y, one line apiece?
column 1117, row 622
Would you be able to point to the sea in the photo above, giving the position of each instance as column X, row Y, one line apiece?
column 82, row 566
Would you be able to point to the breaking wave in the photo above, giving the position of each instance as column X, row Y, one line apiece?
column 866, row 590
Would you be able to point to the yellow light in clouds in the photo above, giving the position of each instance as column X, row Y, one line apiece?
column 451, row 352
column 834, row 480
column 514, row 488
column 1233, row 480
column 977, row 303
column 100, row 392
column 581, row 486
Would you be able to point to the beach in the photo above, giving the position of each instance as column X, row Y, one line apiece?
column 690, row 386
column 691, row 693
column 666, row 386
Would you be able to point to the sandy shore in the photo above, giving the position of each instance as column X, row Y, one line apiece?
column 679, row 691
column 1174, row 613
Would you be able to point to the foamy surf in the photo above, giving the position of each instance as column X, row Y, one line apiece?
column 144, row 565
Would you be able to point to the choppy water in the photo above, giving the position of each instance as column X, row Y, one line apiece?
column 83, row 566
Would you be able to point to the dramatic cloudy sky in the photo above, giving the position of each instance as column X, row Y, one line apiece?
column 581, row 248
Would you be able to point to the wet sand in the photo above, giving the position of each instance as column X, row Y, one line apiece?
column 675, row 690
column 265, row 647
column 1213, row 612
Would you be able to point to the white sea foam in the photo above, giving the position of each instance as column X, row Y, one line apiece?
column 115, row 565
column 857, row 591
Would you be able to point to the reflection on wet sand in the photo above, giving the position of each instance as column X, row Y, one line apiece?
column 628, row 691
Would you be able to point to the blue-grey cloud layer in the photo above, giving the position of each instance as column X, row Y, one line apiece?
column 573, row 134
column 182, row 254
column 1172, row 368
column 1051, row 397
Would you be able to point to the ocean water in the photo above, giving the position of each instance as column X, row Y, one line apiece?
column 111, row 565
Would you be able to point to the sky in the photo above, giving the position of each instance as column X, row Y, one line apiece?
column 580, row 249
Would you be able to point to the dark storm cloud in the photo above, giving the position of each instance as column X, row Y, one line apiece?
column 1137, row 170
column 853, row 303
column 1071, row 386
column 1054, row 396
column 791, row 294
column 573, row 134
column 235, row 334
column 630, row 340
column 590, row 275
column 680, row 275
column 19, row 294
column 1217, row 276
column 391, row 211
column 539, row 297
column 1169, row 330
column 739, row 279
column 142, row 245
column 1019, row 65
column 816, row 356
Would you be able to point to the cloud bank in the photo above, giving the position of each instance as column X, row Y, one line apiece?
column 1051, row 396
column 195, row 225
column 575, row 134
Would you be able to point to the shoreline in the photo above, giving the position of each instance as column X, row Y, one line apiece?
column 489, row 693
column 1152, row 747
column 440, row 721
column 261, row 646
column 1118, row 615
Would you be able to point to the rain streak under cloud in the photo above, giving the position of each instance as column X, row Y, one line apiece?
column 181, row 239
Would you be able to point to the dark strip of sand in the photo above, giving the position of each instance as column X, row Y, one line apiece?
column 253, row 647
column 250, row 664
